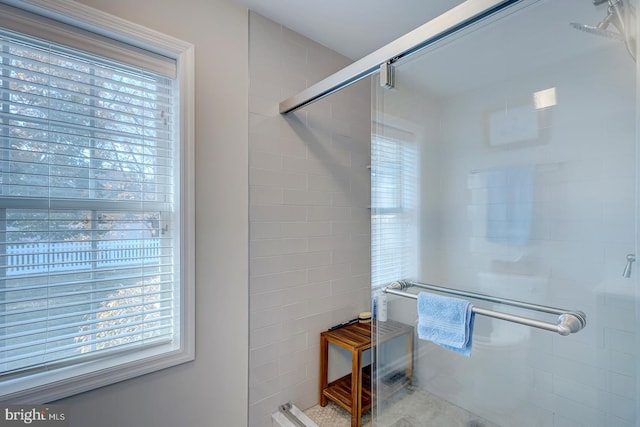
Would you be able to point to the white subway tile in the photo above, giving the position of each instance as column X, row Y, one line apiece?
column 261, row 391
column 278, row 281
column 361, row 243
column 306, row 260
column 581, row 352
column 329, row 243
column 318, row 114
column 622, row 363
column 264, row 29
column 617, row 340
column 344, row 198
column 278, row 179
column 306, row 229
column 277, row 213
column 346, row 253
column 307, row 198
column 262, row 355
column 261, row 302
column 561, row 421
column 623, row 407
column 293, row 377
column 271, row 300
column 299, row 360
column 271, row 247
column 266, row 90
column 268, row 65
column 265, row 196
column 619, row 218
column 292, row 84
column 263, row 373
column 265, row 230
column 263, row 126
column 265, row 160
column 623, row 385
column 323, row 183
column 611, row 420
column 313, row 291
column 305, row 394
column 312, row 324
column 576, row 391
column 293, row 51
column 329, row 272
column 294, row 129
column 265, row 317
column 263, row 106
column 620, row 298
column 264, row 336
column 324, row 62
column 293, row 344
column 359, row 226
column 542, row 389
column 349, row 284
column 267, row 143
column 581, row 414
column 295, row 164
column 265, row 265
column 361, row 264
column 322, row 213
column 291, row 149
column 260, row 411
column 296, row 310
column 361, row 200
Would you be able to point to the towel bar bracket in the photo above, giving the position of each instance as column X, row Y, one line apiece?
column 570, row 323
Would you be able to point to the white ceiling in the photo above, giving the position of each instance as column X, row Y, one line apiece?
column 353, row 28
column 526, row 38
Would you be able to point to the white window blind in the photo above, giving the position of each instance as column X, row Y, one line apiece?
column 82, row 36
column 89, row 243
column 394, row 198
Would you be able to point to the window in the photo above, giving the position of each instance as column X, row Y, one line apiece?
column 394, row 250
column 96, row 280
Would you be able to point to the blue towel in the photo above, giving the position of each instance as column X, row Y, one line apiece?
column 510, row 207
column 446, row 321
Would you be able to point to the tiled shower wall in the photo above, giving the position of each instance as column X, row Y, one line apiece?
column 308, row 211
column 583, row 225
column 582, row 228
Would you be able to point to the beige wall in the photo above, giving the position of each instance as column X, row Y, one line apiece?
column 212, row 391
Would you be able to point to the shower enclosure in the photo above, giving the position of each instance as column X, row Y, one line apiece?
column 504, row 163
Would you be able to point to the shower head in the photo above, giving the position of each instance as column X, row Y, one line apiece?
column 597, row 31
column 614, row 12
column 620, row 16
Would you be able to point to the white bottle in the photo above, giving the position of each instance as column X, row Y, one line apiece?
column 382, row 307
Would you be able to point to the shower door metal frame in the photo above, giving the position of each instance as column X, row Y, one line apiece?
column 438, row 28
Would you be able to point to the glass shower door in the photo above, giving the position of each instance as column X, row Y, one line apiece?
column 504, row 163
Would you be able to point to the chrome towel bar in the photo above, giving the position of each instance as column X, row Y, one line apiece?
column 569, row 321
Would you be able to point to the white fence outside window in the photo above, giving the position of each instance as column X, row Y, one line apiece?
column 36, row 258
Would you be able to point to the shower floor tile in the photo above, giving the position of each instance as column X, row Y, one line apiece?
column 407, row 408
column 334, row 416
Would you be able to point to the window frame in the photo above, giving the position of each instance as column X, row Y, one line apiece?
column 63, row 382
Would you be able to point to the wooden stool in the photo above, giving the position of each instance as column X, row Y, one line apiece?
column 353, row 392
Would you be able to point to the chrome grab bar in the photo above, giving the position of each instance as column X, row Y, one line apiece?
column 569, row 321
